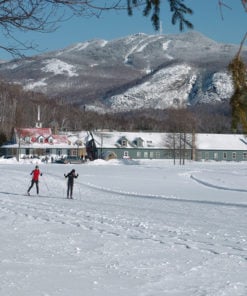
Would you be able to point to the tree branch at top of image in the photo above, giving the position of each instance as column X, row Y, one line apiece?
column 244, row 2
column 46, row 15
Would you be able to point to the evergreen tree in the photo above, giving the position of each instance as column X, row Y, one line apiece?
column 238, row 100
column 177, row 8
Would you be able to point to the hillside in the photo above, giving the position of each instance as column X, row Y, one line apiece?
column 134, row 72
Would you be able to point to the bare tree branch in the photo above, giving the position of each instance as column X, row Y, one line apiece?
column 244, row 2
column 46, row 15
column 241, row 45
column 221, row 4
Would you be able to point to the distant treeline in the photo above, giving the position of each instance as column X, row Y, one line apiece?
column 18, row 108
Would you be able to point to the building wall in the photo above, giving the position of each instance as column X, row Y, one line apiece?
column 28, row 152
column 142, row 153
column 133, row 153
column 221, row 155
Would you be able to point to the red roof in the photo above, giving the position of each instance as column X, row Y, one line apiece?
column 33, row 132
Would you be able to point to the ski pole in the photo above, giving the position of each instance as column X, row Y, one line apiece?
column 46, row 186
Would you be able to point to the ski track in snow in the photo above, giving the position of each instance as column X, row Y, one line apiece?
column 208, row 184
column 47, row 212
column 97, row 188
column 140, row 46
column 164, row 222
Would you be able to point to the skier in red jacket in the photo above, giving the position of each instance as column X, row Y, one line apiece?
column 35, row 179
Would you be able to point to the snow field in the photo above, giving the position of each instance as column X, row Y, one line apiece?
column 145, row 229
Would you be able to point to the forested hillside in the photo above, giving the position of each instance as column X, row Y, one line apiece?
column 18, row 108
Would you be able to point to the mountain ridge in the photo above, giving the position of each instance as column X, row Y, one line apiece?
column 133, row 72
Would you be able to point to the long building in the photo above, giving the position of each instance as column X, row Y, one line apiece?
column 40, row 142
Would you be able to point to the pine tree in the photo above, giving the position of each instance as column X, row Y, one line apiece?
column 238, row 100
column 177, row 8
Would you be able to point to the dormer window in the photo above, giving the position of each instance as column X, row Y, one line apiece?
column 27, row 139
column 41, row 139
column 78, row 143
column 124, row 143
column 50, row 140
column 138, row 142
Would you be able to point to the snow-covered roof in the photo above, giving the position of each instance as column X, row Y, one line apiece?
column 148, row 140
column 110, row 139
column 221, row 142
column 160, row 140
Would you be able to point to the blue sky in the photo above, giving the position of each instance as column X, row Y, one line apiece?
column 206, row 19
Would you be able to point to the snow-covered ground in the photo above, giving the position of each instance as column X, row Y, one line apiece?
column 145, row 228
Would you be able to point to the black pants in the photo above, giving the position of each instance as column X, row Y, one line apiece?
column 37, row 186
column 70, row 190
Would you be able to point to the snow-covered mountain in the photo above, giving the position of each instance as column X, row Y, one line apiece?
column 134, row 72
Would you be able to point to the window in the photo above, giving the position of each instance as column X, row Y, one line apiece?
column 126, row 154
column 138, row 154
column 79, row 143
column 41, row 139
column 199, row 155
column 139, row 142
column 59, row 152
column 171, row 154
column 73, row 152
column 27, row 139
column 244, row 155
column 145, row 154
column 206, row 155
column 157, row 154
column 224, row 155
column 50, row 140
column 151, row 154
column 215, row 155
column 234, row 155
column 124, row 143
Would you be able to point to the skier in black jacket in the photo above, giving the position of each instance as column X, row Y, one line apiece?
column 71, row 175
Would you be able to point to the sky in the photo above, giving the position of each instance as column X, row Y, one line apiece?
column 207, row 19
column 136, row 228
